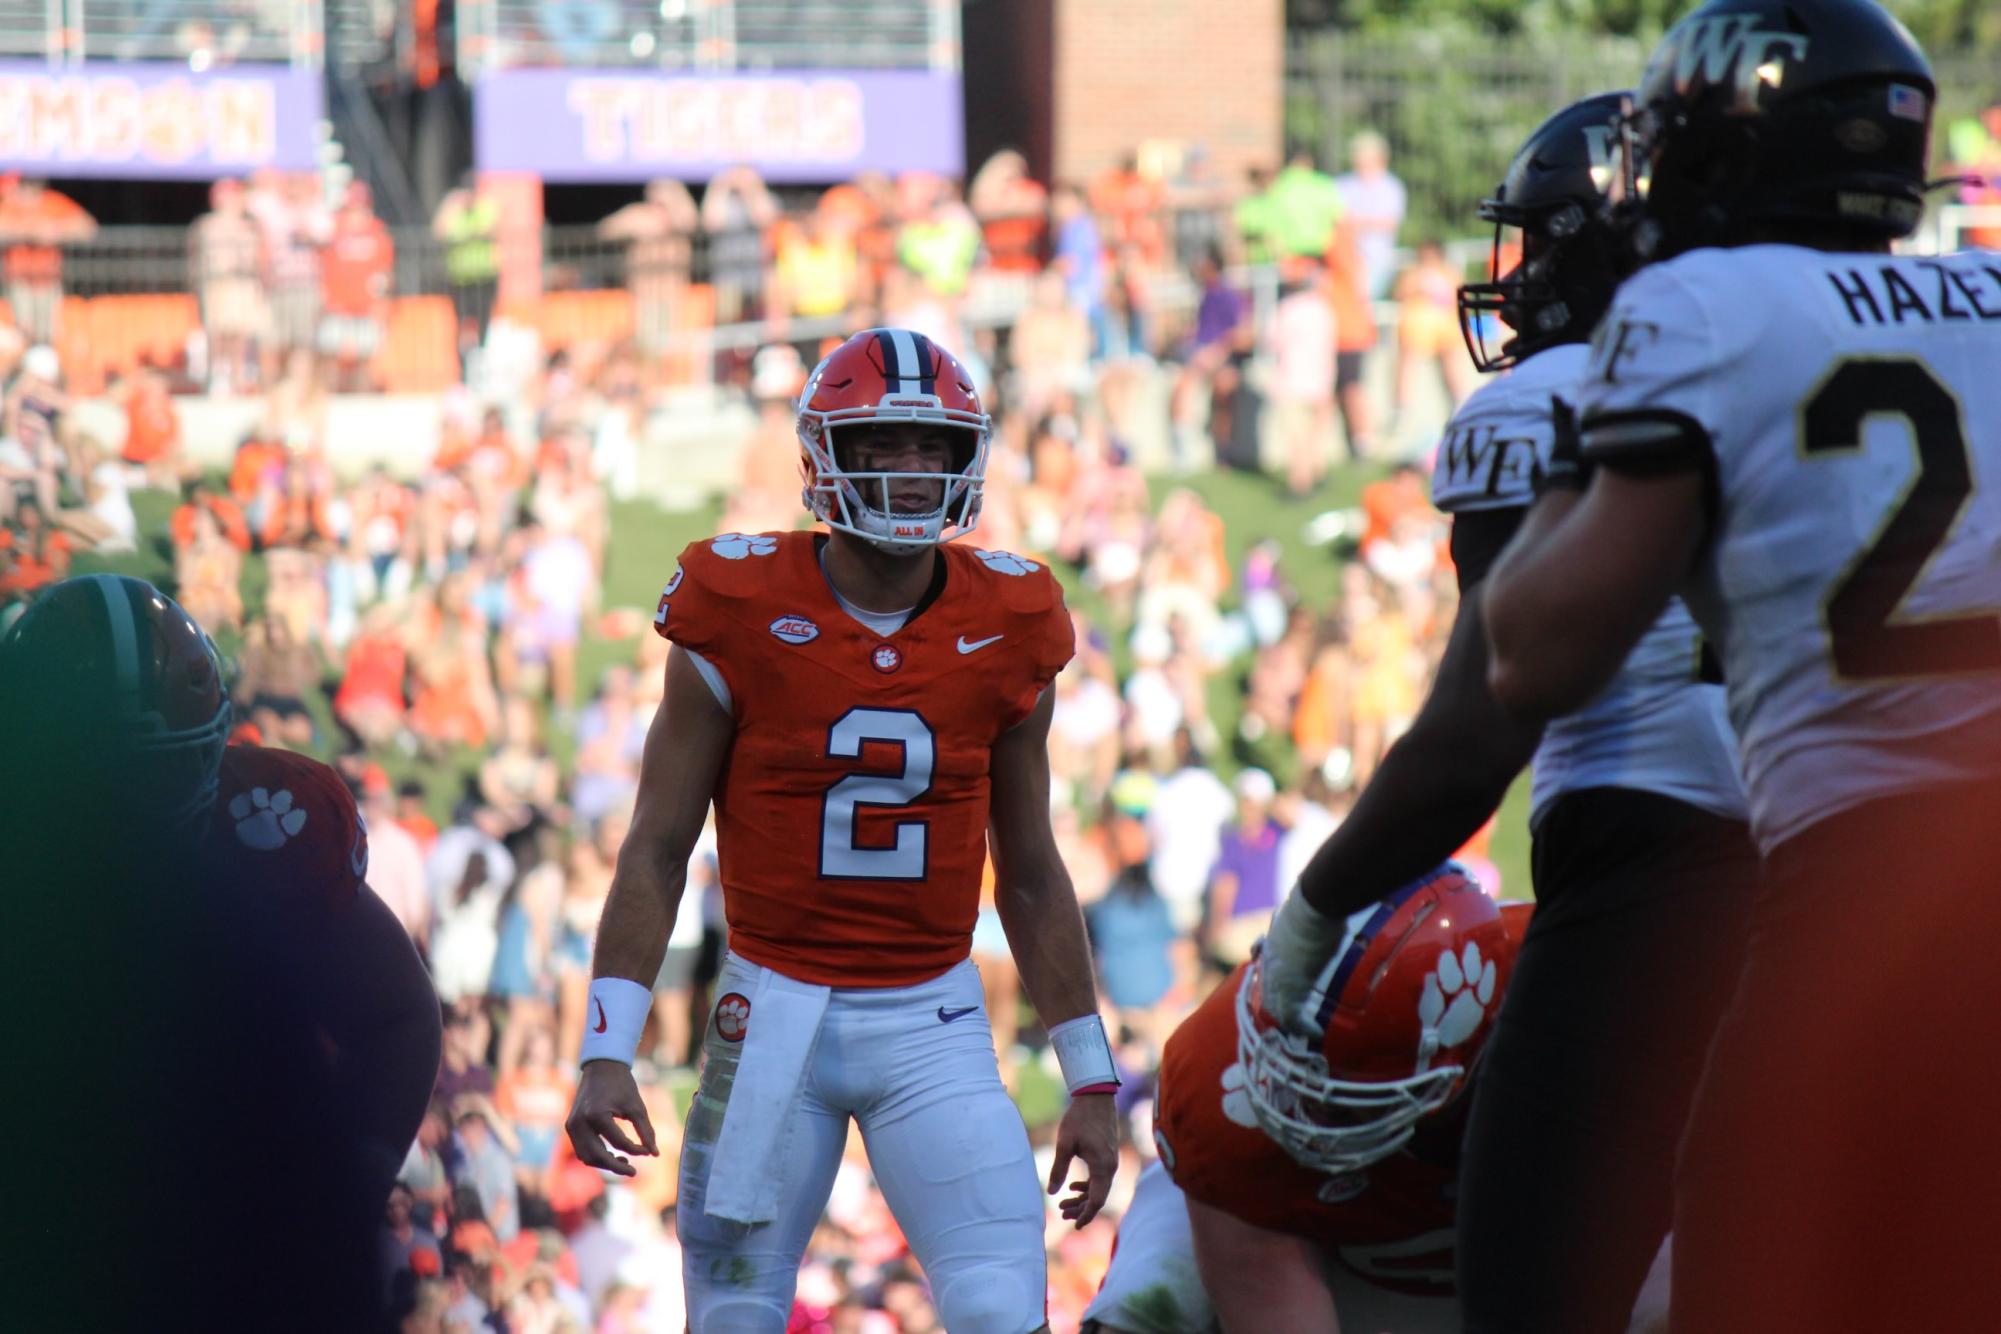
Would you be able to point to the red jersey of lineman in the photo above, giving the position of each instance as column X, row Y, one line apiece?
column 851, row 816
column 289, row 821
column 1391, row 1222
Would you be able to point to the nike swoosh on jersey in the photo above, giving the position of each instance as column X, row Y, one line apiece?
column 966, row 646
column 946, row 1016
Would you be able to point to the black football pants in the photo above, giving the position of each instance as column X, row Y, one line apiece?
column 1566, row 1188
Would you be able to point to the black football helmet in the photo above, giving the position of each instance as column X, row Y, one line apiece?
column 1762, row 119
column 113, row 690
column 1552, row 206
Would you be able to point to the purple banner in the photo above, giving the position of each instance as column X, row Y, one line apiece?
column 813, row 125
column 155, row 121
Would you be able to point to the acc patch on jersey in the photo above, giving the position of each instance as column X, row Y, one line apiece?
column 795, row 630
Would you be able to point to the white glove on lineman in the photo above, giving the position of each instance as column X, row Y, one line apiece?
column 1294, row 972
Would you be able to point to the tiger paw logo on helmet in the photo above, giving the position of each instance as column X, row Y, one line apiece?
column 736, row 546
column 733, row 1017
column 1454, row 1001
column 266, row 820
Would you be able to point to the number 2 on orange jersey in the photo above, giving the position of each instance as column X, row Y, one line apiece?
column 840, row 858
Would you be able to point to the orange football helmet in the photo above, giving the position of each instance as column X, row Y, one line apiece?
column 1409, row 1000
column 891, row 375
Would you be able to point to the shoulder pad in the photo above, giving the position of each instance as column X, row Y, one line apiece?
column 289, row 821
column 716, row 571
column 1495, row 446
column 1022, row 585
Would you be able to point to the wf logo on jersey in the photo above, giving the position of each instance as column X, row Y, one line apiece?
column 1730, row 51
column 1478, row 460
column 733, row 1017
column 1454, row 1001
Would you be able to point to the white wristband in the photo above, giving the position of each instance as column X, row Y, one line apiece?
column 1084, row 1053
column 614, row 1018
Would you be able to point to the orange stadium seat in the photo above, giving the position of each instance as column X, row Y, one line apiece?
column 419, row 352
column 569, row 318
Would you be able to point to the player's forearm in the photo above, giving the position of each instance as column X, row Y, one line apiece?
column 1528, row 615
column 1427, row 798
column 1045, row 932
column 638, row 915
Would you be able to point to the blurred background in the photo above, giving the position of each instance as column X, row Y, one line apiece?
column 406, row 344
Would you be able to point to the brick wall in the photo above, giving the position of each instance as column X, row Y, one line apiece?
column 1193, row 71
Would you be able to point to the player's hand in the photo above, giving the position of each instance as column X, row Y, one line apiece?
column 1292, row 969
column 1090, row 1132
column 606, row 1095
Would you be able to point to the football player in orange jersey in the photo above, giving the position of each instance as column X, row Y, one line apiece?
column 1306, row 1186
column 868, row 709
column 225, row 1019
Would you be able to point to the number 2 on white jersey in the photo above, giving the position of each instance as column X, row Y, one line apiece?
column 1869, row 638
column 840, row 858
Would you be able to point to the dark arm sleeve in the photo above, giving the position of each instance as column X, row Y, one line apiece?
column 1478, row 538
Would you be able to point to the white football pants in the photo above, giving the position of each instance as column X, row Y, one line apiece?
column 914, row 1066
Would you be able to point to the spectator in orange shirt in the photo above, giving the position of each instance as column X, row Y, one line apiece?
column 33, row 554
column 1131, row 207
column 492, row 458
column 1427, row 296
column 355, row 273
column 257, row 459
column 228, row 517
column 370, row 699
column 1387, row 502
column 411, row 800
column 535, row 1097
column 152, row 428
column 206, row 572
column 1013, row 212
column 1354, row 335
column 35, row 222
column 297, row 514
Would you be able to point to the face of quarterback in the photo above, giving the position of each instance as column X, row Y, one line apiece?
column 900, row 447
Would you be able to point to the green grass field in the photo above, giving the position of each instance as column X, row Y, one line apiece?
column 646, row 540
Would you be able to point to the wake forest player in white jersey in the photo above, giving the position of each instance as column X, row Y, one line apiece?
column 1802, row 434
column 1642, row 860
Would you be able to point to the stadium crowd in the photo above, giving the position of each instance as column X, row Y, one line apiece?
column 428, row 623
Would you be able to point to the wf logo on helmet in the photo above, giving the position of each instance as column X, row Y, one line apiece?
column 1730, row 50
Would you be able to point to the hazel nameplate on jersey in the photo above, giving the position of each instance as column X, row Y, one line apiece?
column 1927, row 291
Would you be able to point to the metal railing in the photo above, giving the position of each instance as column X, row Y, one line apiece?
column 708, row 34
column 203, row 33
